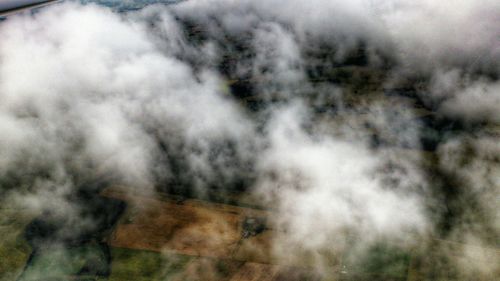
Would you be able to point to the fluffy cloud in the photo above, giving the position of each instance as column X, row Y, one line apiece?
column 87, row 93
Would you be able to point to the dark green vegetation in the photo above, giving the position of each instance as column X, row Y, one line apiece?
column 88, row 262
column 381, row 262
column 62, row 246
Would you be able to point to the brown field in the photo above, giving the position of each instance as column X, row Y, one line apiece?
column 211, row 232
column 214, row 235
column 190, row 227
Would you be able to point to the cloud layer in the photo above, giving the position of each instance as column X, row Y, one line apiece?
column 207, row 96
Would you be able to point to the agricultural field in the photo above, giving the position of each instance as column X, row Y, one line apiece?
column 165, row 238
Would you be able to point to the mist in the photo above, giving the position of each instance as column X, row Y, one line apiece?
column 204, row 99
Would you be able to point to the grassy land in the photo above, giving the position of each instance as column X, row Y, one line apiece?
column 137, row 265
column 14, row 249
column 140, row 265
